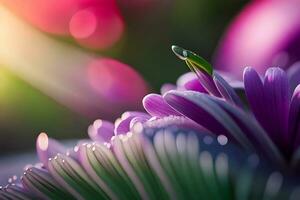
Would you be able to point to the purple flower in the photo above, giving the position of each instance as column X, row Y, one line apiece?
column 270, row 126
column 197, row 136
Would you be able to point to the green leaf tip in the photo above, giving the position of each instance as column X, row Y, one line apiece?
column 194, row 61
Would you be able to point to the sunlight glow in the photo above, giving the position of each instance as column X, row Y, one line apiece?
column 62, row 71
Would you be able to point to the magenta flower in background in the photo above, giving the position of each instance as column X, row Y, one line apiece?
column 83, row 82
column 266, row 33
column 95, row 24
column 115, row 81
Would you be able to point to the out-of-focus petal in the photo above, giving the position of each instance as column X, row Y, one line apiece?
column 97, row 27
column 156, row 106
column 265, row 33
column 190, row 81
column 167, row 87
column 185, row 78
column 49, row 16
column 123, row 124
column 16, row 191
column 294, row 119
column 231, row 78
column 47, row 148
column 294, row 76
column 101, row 131
column 93, row 23
column 114, row 80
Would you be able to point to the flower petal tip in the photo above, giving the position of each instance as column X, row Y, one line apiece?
column 180, row 52
column 42, row 141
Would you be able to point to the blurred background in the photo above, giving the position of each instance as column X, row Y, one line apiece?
column 64, row 64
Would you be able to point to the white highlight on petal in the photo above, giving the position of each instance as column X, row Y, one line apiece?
column 43, row 141
column 117, row 122
column 222, row 139
column 125, row 115
column 76, row 148
column 137, row 127
column 98, row 123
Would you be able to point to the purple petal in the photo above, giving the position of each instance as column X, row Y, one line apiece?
column 185, row 78
column 123, row 125
column 47, row 148
column 276, row 101
column 255, row 93
column 233, row 122
column 294, row 75
column 101, row 131
column 294, row 119
column 134, row 114
column 189, row 81
column 195, row 86
column 208, row 83
column 167, row 87
column 200, row 108
column 137, row 120
column 176, row 121
column 254, row 132
column 188, row 108
column 227, row 91
column 156, row 106
column 270, row 102
column 236, row 83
